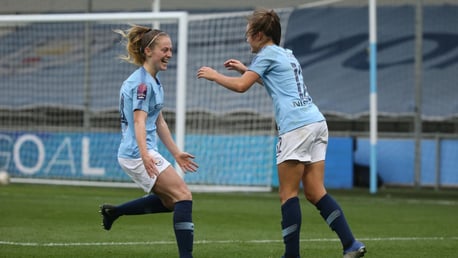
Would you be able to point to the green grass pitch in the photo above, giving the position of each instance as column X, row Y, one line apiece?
column 63, row 221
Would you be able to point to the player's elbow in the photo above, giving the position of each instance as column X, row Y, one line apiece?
column 160, row 124
column 241, row 87
column 244, row 83
column 239, row 90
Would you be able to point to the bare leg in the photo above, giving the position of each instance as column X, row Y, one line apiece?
column 313, row 181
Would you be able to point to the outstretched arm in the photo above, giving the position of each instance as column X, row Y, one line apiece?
column 236, row 65
column 237, row 84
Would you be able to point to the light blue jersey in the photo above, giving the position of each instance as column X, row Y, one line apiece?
column 139, row 92
column 281, row 74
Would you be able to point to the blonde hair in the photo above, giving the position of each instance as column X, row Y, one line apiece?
column 138, row 39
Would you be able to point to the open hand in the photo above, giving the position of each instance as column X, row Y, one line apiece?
column 186, row 162
column 206, row 73
column 236, row 65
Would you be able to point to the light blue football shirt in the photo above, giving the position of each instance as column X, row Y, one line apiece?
column 281, row 74
column 139, row 92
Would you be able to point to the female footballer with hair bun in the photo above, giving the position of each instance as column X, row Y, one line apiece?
column 140, row 102
column 303, row 133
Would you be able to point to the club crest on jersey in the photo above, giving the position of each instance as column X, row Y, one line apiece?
column 158, row 162
column 141, row 91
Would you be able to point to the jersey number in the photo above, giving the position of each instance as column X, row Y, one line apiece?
column 301, row 88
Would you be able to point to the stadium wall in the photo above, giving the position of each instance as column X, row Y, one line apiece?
column 92, row 157
column 396, row 161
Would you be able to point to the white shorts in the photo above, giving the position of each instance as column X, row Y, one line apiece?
column 305, row 144
column 136, row 170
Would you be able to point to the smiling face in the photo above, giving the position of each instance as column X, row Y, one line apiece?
column 158, row 54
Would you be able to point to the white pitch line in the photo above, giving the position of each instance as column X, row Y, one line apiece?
column 376, row 239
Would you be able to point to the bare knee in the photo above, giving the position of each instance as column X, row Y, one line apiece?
column 184, row 194
column 286, row 195
column 169, row 200
column 311, row 197
column 168, row 203
column 314, row 196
